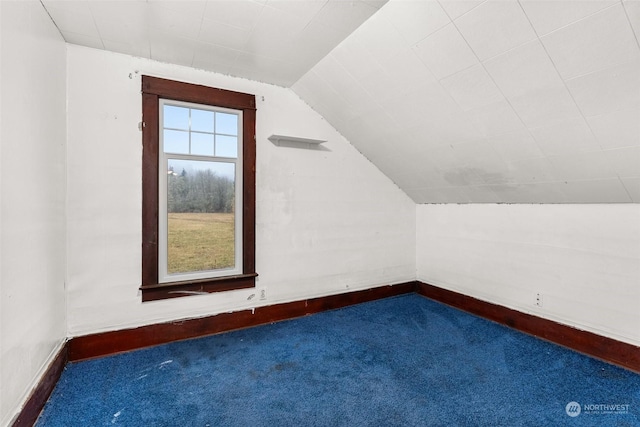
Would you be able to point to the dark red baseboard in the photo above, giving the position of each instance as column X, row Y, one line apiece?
column 42, row 391
column 607, row 349
column 106, row 343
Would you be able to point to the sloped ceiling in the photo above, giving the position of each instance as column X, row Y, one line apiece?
column 497, row 101
column 274, row 41
column 457, row 101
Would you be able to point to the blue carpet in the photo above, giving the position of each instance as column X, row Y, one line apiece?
column 402, row 361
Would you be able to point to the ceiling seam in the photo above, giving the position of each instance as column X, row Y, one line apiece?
column 564, row 82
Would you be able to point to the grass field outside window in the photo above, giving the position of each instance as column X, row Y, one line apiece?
column 200, row 242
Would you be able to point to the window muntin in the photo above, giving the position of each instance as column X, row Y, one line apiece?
column 200, row 192
column 155, row 89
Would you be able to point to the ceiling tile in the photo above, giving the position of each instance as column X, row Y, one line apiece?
column 508, row 193
column 85, row 40
column 514, row 146
column 241, row 14
column 305, row 10
column 459, row 7
column 479, row 159
column 446, row 195
column 546, row 16
column 122, row 21
column 355, row 59
column 609, row 90
column 265, row 69
column 625, row 162
column 524, row 69
column 632, row 185
column 272, row 33
column 596, row 191
column 409, row 70
column 375, row 3
column 472, row 88
column 495, row 27
column 618, row 129
column 492, row 170
column 380, row 38
column 407, row 88
column 137, row 48
column 432, row 176
column 332, row 72
column 632, row 8
column 534, row 171
column 172, row 49
column 583, row 166
column 383, row 87
column 168, row 19
column 565, row 137
column 74, row 18
column 496, row 119
column 407, row 114
column 207, row 56
column 415, row 20
column 599, row 41
column 193, row 7
column 229, row 36
column 314, row 43
column 443, row 130
column 442, row 158
column 550, row 192
column 482, row 194
column 544, row 192
column 462, row 177
column 347, row 15
column 545, row 106
column 432, row 99
column 445, row 52
column 288, row 37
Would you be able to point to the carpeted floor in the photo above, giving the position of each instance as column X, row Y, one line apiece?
column 402, row 361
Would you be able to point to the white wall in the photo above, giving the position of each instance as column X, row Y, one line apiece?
column 583, row 259
column 32, row 199
column 327, row 221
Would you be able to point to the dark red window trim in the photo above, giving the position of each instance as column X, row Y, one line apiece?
column 153, row 89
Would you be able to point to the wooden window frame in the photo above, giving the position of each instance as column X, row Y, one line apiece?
column 154, row 89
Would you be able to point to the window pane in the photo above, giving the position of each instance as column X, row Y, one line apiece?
column 227, row 123
column 176, row 117
column 226, row 146
column 202, row 120
column 202, row 144
column 176, row 141
column 201, row 218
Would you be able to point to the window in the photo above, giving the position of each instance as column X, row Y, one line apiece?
column 198, row 184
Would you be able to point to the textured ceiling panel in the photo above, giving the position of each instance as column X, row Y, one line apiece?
column 457, row 101
column 273, row 41
column 529, row 101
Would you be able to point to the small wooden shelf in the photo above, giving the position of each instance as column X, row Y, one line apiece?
column 281, row 140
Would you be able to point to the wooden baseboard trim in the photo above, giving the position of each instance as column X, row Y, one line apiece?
column 607, row 349
column 40, row 394
column 107, row 343
column 113, row 342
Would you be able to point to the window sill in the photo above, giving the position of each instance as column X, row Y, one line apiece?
column 197, row 287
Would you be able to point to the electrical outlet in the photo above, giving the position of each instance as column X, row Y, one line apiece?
column 539, row 299
column 263, row 294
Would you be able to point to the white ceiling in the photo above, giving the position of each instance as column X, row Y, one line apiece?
column 274, row 41
column 457, row 101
